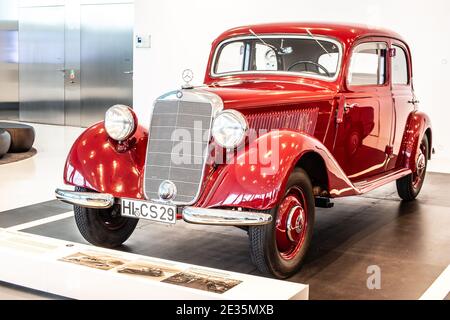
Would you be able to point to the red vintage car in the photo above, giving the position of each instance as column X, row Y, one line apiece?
column 290, row 116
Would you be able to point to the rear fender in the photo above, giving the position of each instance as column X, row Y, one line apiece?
column 98, row 163
column 259, row 184
column 416, row 127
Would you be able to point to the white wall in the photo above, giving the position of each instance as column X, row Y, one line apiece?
column 9, row 10
column 182, row 32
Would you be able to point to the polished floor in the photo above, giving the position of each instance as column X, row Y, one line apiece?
column 409, row 242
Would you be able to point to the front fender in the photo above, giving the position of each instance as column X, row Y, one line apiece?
column 260, row 183
column 97, row 163
column 417, row 125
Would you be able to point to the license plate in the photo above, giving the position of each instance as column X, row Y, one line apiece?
column 148, row 210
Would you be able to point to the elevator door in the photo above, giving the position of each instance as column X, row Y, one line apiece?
column 9, row 72
column 106, row 59
column 41, row 69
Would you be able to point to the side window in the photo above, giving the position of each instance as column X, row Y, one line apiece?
column 400, row 66
column 368, row 64
column 231, row 58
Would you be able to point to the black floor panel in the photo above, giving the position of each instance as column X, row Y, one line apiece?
column 64, row 229
column 31, row 213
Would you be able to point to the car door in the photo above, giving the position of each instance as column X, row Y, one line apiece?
column 403, row 99
column 365, row 133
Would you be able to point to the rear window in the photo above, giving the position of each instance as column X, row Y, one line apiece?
column 399, row 66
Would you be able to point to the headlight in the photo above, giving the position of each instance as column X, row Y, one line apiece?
column 229, row 129
column 120, row 122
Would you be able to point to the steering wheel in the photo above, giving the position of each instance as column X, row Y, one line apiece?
column 305, row 62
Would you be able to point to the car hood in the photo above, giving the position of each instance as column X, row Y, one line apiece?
column 242, row 95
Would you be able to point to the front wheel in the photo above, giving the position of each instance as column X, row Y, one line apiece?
column 279, row 248
column 409, row 187
column 103, row 227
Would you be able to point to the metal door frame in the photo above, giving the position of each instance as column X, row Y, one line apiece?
column 72, row 54
column 53, row 100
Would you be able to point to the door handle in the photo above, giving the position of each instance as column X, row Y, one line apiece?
column 62, row 70
column 348, row 107
column 128, row 72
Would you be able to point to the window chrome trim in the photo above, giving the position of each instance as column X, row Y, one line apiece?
column 285, row 73
column 189, row 95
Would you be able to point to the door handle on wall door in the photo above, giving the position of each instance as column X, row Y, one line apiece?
column 128, row 72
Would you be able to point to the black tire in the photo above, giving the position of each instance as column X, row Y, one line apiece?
column 263, row 245
column 103, row 227
column 409, row 187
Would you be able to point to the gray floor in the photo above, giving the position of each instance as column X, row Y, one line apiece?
column 410, row 242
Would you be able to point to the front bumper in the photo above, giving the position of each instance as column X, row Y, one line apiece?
column 217, row 217
column 85, row 199
column 222, row 217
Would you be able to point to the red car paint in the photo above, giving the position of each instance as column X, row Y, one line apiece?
column 95, row 163
column 361, row 149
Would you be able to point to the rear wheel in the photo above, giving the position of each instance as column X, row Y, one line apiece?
column 103, row 227
column 279, row 248
column 409, row 187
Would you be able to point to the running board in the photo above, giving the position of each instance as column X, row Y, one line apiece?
column 380, row 180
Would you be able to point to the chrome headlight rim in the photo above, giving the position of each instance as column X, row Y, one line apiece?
column 120, row 122
column 240, row 120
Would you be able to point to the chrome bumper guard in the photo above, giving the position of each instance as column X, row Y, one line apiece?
column 221, row 217
column 85, row 199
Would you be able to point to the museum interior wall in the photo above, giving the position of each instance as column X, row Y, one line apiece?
column 65, row 62
column 181, row 38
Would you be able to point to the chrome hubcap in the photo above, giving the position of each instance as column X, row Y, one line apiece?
column 291, row 223
column 421, row 162
column 294, row 223
column 421, row 165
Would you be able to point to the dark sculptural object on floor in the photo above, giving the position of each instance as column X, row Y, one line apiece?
column 5, row 142
column 22, row 136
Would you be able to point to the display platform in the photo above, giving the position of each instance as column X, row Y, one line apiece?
column 440, row 289
column 79, row 271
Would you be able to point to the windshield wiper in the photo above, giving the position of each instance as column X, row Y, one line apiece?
column 312, row 36
column 262, row 41
column 279, row 51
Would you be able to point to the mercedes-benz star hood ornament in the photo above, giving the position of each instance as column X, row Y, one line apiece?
column 187, row 76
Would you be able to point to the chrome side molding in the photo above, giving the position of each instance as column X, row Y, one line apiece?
column 85, row 199
column 221, row 217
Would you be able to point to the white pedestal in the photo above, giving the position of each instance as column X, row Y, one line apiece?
column 84, row 272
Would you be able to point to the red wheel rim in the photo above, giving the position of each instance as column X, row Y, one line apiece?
column 291, row 223
column 421, row 166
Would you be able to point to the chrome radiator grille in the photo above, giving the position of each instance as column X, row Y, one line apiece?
column 177, row 146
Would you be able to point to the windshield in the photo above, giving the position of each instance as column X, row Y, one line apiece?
column 309, row 56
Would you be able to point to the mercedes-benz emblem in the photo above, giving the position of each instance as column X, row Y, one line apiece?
column 187, row 76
